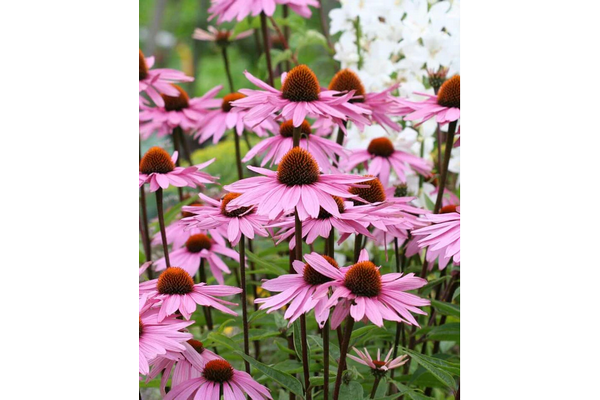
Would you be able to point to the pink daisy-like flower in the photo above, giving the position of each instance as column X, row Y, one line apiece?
column 445, row 107
column 361, row 291
column 381, row 104
column 297, row 183
column 231, row 224
column 176, row 290
column 200, row 247
column 221, row 36
column 178, row 232
column 298, row 289
column 177, row 111
column 156, row 338
column 352, row 219
column 378, row 367
column 383, row 158
column 185, row 365
column 227, row 10
column 218, row 376
column 216, row 122
column 153, row 82
column 300, row 96
column 323, row 150
column 158, row 168
column 442, row 237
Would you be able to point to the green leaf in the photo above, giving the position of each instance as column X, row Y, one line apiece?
column 298, row 341
column 284, row 379
column 352, row 391
column 449, row 332
column 449, row 309
column 456, row 294
column 268, row 266
column 440, row 374
column 256, row 334
column 285, row 55
column 223, row 340
column 362, row 331
column 285, row 349
column 413, row 395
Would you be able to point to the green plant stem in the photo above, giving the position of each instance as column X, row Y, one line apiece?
column 227, row 70
column 305, row 361
column 325, row 336
column 357, row 246
column 297, row 135
column 161, row 223
column 444, row 176
column 343, row 353
column 206, row 310
column 374, row 390
column 324, row 27
column 175, row 138
column 265, row 34
column 238, row 154
column 283, row 40
column 242, row 245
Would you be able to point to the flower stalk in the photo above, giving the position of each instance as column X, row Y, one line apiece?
column 343, row 354
column 447, row 153
column 265, row 34
column 161, row 223
column 242, row 245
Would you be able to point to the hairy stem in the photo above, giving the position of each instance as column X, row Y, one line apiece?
column 227, row 70
column 375, row 384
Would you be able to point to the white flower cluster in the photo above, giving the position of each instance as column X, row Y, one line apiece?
column 388, row 41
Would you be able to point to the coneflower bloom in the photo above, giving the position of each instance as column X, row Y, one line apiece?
column 229, row 223
column 388, row 218
column 216, row 122
column 220, row 36
column 200, row 247
column 227, row 10
column 299, row 97
column 176, row 290
column 153, row 82
column 297, row 183
column 378, row 367
column 383, row 157
column 218, row 376
column 442, row 237
column 381, row 104
column 352, row 219
column 156, row 338
column 177, row 111
column 361, row 291
column 178, row 233
column 297, row 290
column 185, row 365
column 274, row 148
column 445, row 107
column 158, row 169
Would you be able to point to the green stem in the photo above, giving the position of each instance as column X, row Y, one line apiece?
column 265, row 34
column 161, row 223
column 448, row 152
column 343, row 353
column 227, row 70
column 242, row 245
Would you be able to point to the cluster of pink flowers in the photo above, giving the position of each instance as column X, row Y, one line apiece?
column 319, row 190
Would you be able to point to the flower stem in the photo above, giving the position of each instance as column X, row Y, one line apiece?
column 283, row 40
column 175, row 138
column 325, row 334
column 207, row 312
column 242, row 245
column 375, row 384
column 265, row 34
column 447, row 153
column 357, row 246
column 227, row 70
column 286, row 31
column 297, row 135
column 305, row 357
column 238, row 155
column 161, row 223
column 145, row 231
column 324, row 26
column 255, row 296
column 343, row 353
